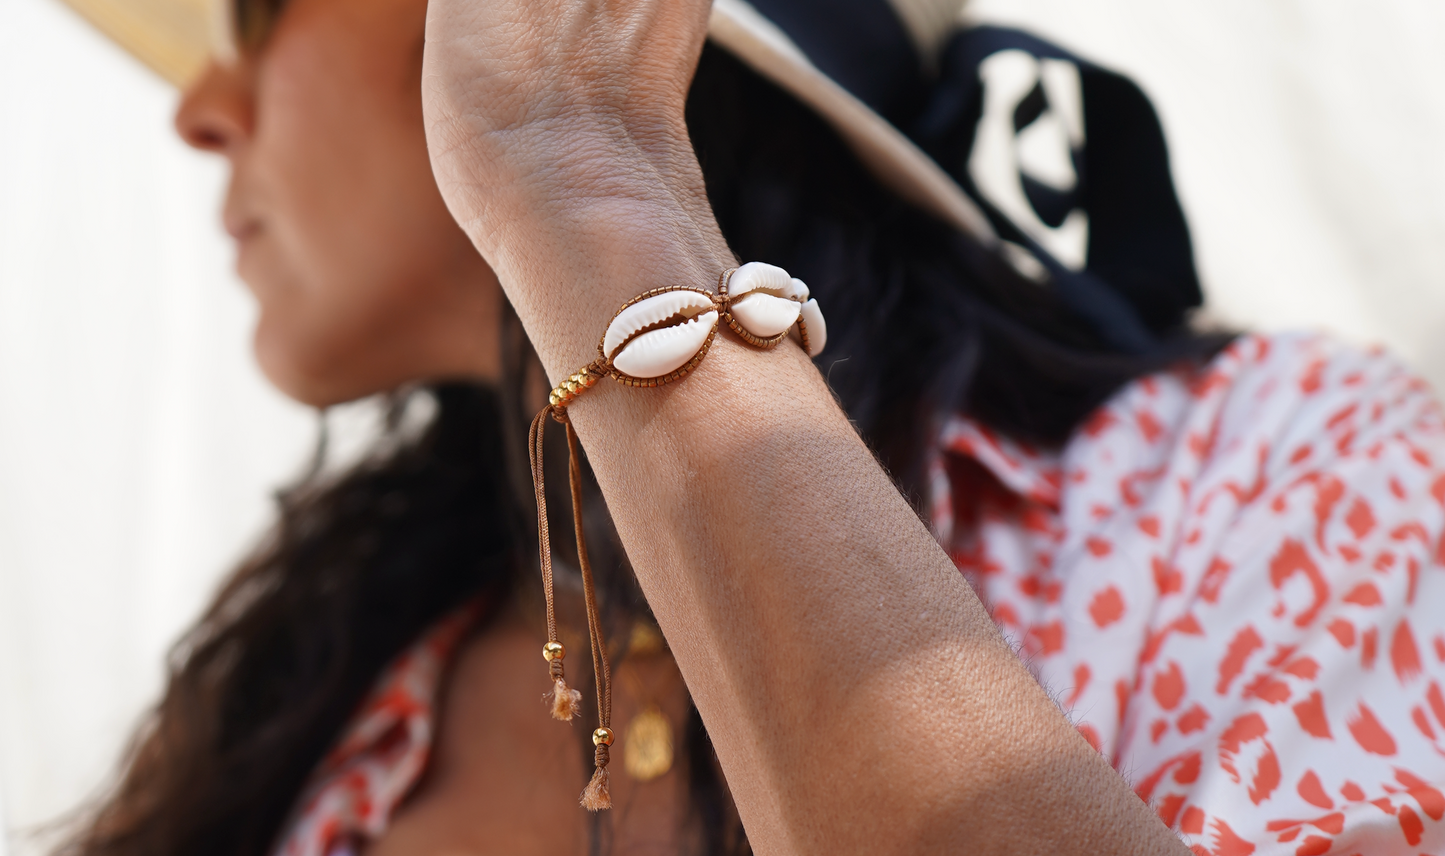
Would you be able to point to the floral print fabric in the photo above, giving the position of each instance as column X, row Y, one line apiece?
column 381, row 754
column 1232, row 579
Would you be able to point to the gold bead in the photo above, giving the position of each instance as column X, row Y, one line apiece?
column 553, row 651
column 602, row 737
column 552, row 399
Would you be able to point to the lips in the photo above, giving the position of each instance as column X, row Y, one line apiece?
column 238, row 214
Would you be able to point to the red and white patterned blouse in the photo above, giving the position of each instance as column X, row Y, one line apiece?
column 1233, row 579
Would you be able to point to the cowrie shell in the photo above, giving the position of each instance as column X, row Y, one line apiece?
column 678, row 304
column 812, row 321
column 759, row 276
column 665, row 350
column 764, row 315
column 763, row 302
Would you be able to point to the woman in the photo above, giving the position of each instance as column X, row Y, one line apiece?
column 1209, row 572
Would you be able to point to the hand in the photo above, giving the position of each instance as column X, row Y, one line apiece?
column 557, row 137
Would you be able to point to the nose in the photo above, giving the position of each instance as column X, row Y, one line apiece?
column 217, row 112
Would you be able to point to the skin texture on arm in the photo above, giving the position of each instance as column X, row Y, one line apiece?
column 858, row 695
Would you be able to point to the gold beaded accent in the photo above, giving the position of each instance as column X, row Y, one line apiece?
column 553, row 651
column 568, row 390
column 602, row 737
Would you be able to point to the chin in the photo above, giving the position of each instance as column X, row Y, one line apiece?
column 300, row 373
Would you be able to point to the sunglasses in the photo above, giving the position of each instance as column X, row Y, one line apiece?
column 253, row 21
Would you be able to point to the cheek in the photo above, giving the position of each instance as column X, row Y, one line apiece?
column 331, row 171
column 357, row 243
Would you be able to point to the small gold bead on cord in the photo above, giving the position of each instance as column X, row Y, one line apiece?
column 602, row 737
column 553, row 651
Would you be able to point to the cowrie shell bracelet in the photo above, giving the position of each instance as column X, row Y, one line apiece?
column 656, row 338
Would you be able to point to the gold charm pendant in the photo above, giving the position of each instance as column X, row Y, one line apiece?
column 647, row 748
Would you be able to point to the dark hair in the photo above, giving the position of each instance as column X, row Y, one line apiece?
column 923, row 323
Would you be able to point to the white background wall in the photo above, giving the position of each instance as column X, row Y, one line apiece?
column 138, row 445
column 137, row 442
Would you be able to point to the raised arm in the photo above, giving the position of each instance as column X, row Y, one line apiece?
column 858, row 695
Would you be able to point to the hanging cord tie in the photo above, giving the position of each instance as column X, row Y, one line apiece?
column 656, row 338
column 566, row 702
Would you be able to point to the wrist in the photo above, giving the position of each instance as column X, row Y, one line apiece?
column 571, row 249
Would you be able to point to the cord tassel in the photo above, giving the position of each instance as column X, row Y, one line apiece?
column 566, row 702
column 598, row 793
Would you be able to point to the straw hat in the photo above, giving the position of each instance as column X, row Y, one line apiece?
column 175, row 37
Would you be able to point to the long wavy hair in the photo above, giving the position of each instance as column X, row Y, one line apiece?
column 923, row 323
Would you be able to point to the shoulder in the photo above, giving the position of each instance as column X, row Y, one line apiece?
column 1313, row 396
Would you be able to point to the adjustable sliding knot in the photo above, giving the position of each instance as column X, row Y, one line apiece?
column 656, row 338
column 554, row 654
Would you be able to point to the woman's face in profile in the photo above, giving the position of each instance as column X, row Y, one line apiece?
column 364, row 280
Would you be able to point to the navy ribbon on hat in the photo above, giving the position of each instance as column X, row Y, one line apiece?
column 1066, row 158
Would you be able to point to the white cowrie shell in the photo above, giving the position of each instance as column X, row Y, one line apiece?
column 664, row 350
column 759, row 276
column 797, row 290
column 653, row 310
column 817, row 328
column 764, row 315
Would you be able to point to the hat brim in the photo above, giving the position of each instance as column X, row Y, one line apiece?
column 896, row 161
column 174, row 38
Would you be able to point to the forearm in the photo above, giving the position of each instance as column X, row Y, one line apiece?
column 856, row 691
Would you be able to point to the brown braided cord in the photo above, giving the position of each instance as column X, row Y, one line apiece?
column 600, row 666
column 544, row 541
